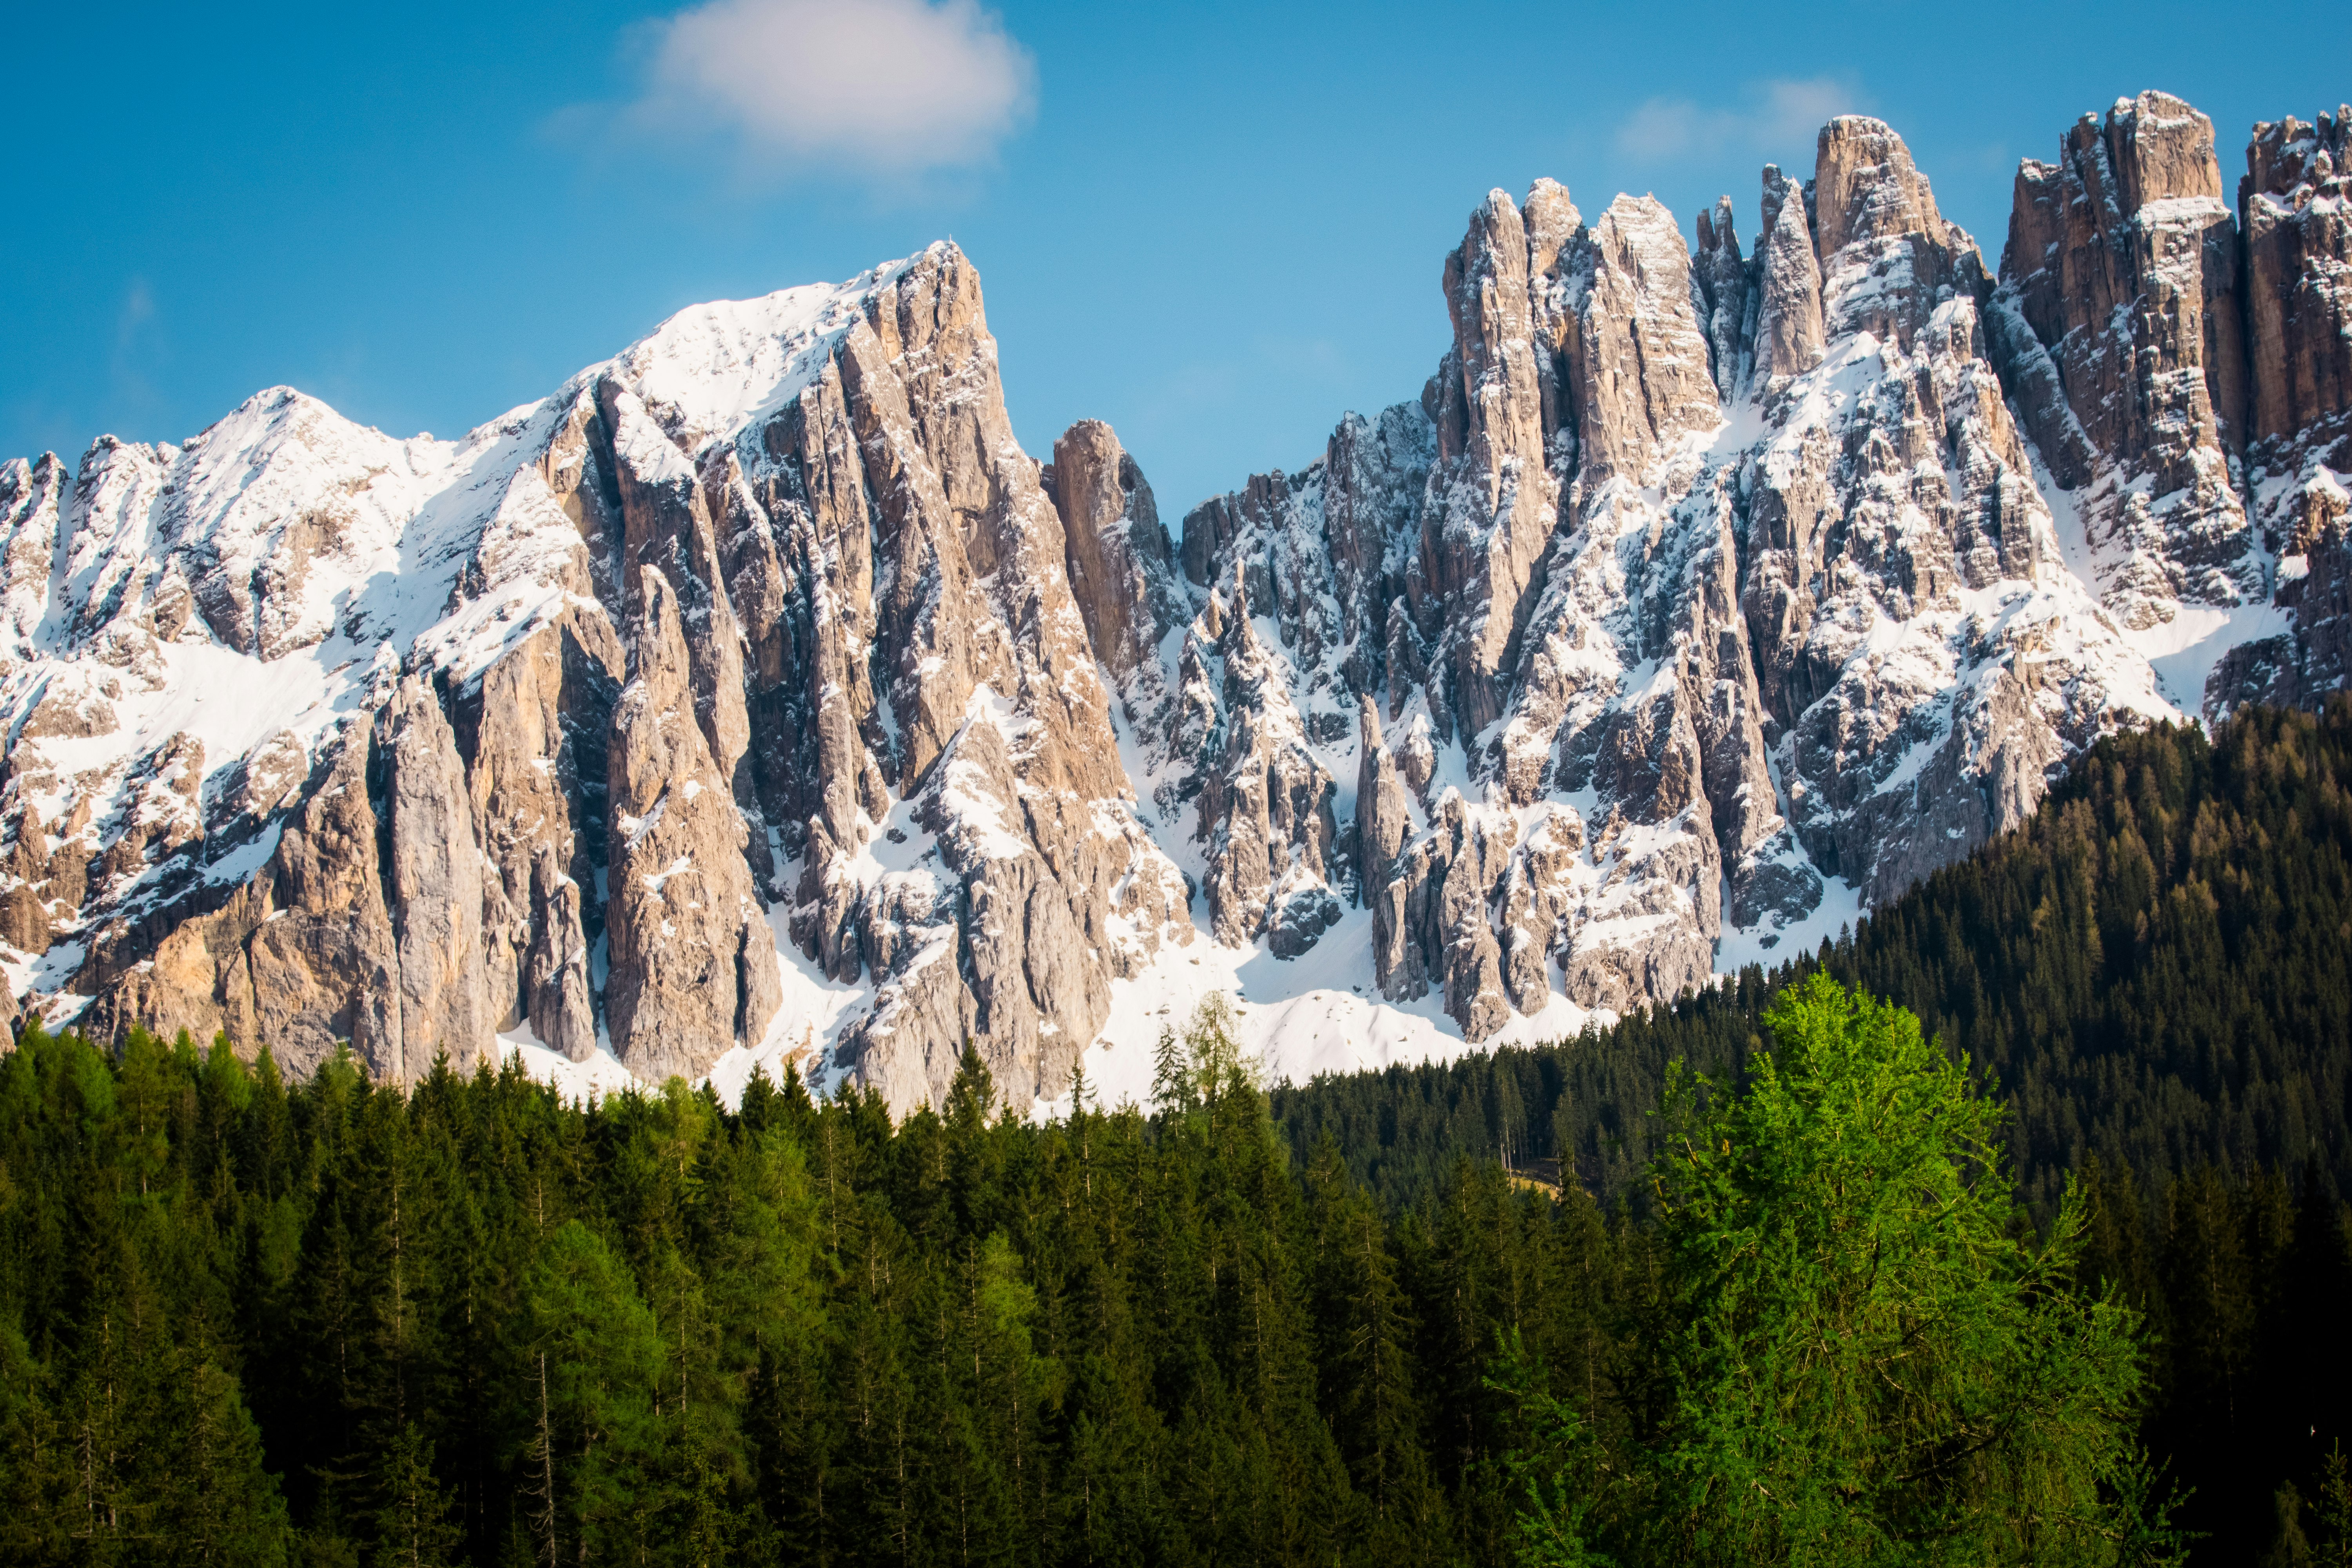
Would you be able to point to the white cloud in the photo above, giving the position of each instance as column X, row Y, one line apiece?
column 135, row 343
column 863, row 86
column 1778, row 117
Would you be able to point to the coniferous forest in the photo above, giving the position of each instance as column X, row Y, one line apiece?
column 2041, row 1257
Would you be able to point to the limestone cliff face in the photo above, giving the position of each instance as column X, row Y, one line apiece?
column 975, row 847
column 693, row 968
column 2295, row 207
column 2122, row 262
column 758, row 634
column 1300, row 586
column 754, row 692
column 1845, row 550
column 1904, row 576
column 1122, row 566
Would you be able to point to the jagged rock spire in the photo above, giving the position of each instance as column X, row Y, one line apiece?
column 754, row 690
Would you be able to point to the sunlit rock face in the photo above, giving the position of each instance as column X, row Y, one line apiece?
column 1733, row 579
column 1705, row 590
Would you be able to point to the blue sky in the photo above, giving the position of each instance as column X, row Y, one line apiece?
column 1216, row 226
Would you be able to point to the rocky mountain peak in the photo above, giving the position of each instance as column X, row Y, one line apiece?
column 2162, row 150
column 1788, row 287
column 1122, row 566
column 754, row 698
column 2122, row 262
column 1866, row 187
column 1552, row 224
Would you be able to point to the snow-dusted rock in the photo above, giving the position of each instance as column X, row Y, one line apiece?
column 2122, row 262
column 2295, row 206
column 754, row 692
column 693, row 962
column 1787, row 283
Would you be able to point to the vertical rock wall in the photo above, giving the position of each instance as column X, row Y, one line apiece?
column 1696, row 588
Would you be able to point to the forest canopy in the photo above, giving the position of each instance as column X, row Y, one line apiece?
column 334, row 1322
column 2006, row 1227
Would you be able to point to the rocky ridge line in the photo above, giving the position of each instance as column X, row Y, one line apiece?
column 756, row 691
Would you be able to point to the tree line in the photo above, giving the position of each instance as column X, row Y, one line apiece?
column 2045, row 1259
column 244, row 1321
column 2152, row 973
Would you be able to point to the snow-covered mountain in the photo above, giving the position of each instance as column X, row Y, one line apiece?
column 754, row 695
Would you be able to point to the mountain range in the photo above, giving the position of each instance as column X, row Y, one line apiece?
column 755, row 696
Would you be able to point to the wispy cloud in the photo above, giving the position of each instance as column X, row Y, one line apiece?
column 136, row 344
column 860, row 87
column 1776, row 117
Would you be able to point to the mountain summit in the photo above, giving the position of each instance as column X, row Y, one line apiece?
column 755, row 695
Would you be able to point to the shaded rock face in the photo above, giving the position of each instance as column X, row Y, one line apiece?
column 1496, row 497
column 1122, row 567
column 2298, row 248
column 434, row 886
column 1787, row 289
column 2206, row 449
column 1896, row 547
column 2295, row 208
column 1295, row 586
column 692, row 961
column 754, row 691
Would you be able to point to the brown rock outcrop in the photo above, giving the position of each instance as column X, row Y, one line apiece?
column 693, row 967
column 2293, row 202
column 1122, row 569
column 1692, row 581
column 2295, row 206
column 2122, row 260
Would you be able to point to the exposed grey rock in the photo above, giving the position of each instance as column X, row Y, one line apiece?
column 1899, row 754
column 1724, row 300
column 1689, row 583
column 1043, row 883
column 300, row 959
column 692, row 966
column 1493, row 502
column 2122, row 260
column 1789, row 284
column 1383, row 818
column 557, row 990
column 436, row 884
column 1267, row 801
column 1259, row 730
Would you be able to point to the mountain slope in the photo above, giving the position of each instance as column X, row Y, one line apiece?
column 754, row 694
column 2147, row 969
